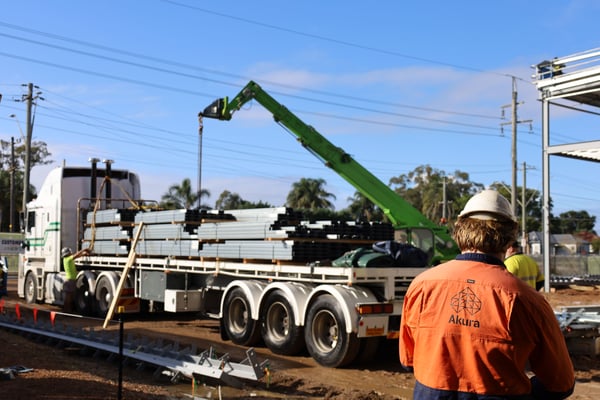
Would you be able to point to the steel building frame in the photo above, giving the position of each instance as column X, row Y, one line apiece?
column 574, row 78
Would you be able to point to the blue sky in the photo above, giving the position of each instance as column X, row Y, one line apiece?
column 397, row 84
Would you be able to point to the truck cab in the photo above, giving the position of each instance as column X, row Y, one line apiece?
column 66, row 195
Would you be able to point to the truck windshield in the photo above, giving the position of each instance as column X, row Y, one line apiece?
column 422, row 238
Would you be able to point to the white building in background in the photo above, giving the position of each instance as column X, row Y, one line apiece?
column 562, row 244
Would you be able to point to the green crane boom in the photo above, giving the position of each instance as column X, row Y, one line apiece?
column 400, row 213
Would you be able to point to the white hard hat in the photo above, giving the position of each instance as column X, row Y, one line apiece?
column 66, row 252
column 488, row 205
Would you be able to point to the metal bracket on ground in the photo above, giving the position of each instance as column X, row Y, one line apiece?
column 180, row 363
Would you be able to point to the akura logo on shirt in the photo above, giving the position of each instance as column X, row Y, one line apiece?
column 465, row 300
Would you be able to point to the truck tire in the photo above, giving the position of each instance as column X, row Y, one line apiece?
column 237, row 319
column 279, row 331
column 83, row 297
column 325, row 334
column 104, row 296
column 30, row 289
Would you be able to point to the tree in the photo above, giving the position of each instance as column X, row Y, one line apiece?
column 575, row 221
column 257, row 204
column 228, row 201
column 326, row 214
column 233, row 201
column 182, row 196
column 361, row 208
column 424, row 189
column 309, row 194
column 39, row 156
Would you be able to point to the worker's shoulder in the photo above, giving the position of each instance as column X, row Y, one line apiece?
column 493, row 276
column 520, row 257
column 533, row 306
column 450, row 270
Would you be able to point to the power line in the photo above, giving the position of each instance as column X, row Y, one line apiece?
column 103, row 75
column 397, row 125
column 212, row 71
column 331, row 40
column 202, row 94
column 144, row 143
column 129, row 122
column 116, row 136
column 179, row 135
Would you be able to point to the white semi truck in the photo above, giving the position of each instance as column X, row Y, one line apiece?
column 264, row 273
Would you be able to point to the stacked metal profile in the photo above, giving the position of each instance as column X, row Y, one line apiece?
column 167, row 232
column 109, row 231
column 258, row 234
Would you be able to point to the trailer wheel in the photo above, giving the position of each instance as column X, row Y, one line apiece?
column 278, row 328
column 326, row 338
column 30, row 289
column 83, row 297
column 104, row 296
column 237, row 321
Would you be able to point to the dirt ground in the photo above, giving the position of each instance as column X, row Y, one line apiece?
column 64, row 373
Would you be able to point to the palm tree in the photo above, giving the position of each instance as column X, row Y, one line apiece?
column 310, row 194
column 182, row 196
column 203, row 193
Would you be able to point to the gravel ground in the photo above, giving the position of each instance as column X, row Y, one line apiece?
column 64, row 373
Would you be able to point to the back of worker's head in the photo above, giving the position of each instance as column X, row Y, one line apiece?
column 516, row 245
column 486, row 224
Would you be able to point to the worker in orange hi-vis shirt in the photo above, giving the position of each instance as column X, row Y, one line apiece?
column 472, row 330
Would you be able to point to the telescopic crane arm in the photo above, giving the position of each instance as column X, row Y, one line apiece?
column 399, row 212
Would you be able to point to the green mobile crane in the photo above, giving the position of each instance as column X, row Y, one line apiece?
column 410, row 224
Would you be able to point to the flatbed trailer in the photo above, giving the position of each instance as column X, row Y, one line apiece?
column 345, row 311
column 393, row 282
column 350, row 286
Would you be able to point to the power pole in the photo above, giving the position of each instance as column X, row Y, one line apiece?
column 12, row 185
column 29, row 98
column 523, row 213
column 200, row 129
column 514, row 122
column 444, row 202
column 524, row 202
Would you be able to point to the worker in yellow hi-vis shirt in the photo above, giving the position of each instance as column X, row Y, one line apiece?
column 70, row 276
column 523, row 267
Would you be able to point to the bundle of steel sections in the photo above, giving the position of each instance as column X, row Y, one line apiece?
column 111, row 216
column 260, row 234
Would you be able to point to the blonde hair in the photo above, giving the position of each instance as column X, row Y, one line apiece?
column 488, row 236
